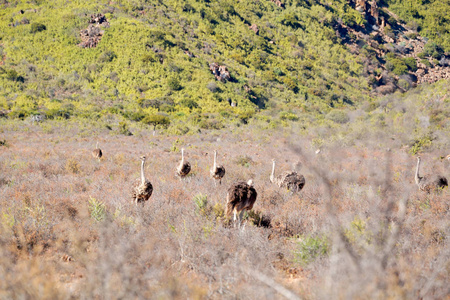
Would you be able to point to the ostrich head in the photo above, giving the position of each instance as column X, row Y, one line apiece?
column 250, row 182
column 447, row 157
column 143, row 157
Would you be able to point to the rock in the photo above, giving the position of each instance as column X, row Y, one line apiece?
column 91, row 36
column 255, row 29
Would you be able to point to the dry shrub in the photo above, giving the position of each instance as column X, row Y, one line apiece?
column 72, row 166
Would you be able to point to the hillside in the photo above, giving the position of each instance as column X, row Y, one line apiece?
column 150, row 61
column 348, row 94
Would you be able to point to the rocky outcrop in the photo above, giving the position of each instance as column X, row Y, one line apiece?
column 370, row 10
column 255, row 29
column 278, row 3
column 402, row 42
column 220, row 72
column 91, row 36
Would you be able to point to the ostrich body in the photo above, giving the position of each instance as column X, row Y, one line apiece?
column 241, row 196
column 97, row 152
column 429, row 183
column 142, row 189
column 217, row 172
column 288, row 179
column 184, row 167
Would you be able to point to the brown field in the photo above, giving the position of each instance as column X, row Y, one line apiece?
column 360, row 228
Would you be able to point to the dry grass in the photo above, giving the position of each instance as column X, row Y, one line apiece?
column 70, row 230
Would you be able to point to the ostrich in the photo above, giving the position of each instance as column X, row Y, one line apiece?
column 430, row 182
column 184, row 167
column 142, row 189
column 241, row 196
column 288, row 179
column 97, row 152
column 217, row 172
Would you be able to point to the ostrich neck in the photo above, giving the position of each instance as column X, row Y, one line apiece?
column 142, row 172
column 417, row 178
column 215, row 160
column 182, row 156
column 273, row 172
column 96, row 145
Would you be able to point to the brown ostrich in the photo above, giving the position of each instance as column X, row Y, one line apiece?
column 184, row 167
column 291, row 180
column 241, row 196
column 217, row 172
column 429, row 183
column 97, row 152
column 142, row 189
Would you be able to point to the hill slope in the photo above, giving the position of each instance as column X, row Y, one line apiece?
column 153, row 58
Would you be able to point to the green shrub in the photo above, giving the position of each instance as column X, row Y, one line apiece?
column 148, row 58
column 421, row 143
column 107, row 56
column 97, row 209
column 432, row 49
column 310, row 248
column 123, row 128
column 284, row 115
column 426, row 62
column 201, row 204
column 397, row 66
column 18, row 114
column 290, row 84
column 14, row 76
column 338, row 116
column 156, row 119
column 174, row 83
column 421, row 55
column 37, row 27
column 191, row 104
column 244, row 160
column 404, row 84
column 411, row 63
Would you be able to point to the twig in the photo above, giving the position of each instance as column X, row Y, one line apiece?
column 271, row 283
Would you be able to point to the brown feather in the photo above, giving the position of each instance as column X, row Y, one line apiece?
column 218, row 173
column 97, row 153
column 240, row 196
column 142, row 192
column 290, row 180
column 432, row 183
column 183, row 169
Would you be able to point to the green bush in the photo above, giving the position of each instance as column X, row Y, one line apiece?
column 174, row 83
column 14, row 76
column 37, row 27
column 107, row 56
column 18, row 114
column 411, row 63
column 426, row 62
column 310, row 248
column 191, row 104
column 123, row 128
column 156, row 119
column 405, row 85
column 432, row 49
column 284, row 115
column 397, row 66
column 338, row 116
column 97, row 209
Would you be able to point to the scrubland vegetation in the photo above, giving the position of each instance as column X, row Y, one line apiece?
column 360, row 228
column 313, row 91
